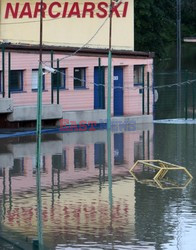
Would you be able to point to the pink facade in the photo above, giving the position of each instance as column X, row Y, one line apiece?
column 79, row 99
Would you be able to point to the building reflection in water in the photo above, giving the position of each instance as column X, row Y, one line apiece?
column 74, row 184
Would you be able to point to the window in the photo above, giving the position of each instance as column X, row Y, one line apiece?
column 99, row 155
column 59, row 161
column 16, row 80
column 118, row 149
column 138, row 149
column 80, row 157
column 18, row 168
column 34, row 80
column 138, row 74
column 2, row 173
column 42, row 164
column 62, row 79
column 79, row 78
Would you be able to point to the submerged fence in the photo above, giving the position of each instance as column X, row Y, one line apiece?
column 167, row 86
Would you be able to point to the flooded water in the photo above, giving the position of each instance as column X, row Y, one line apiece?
column 85, row 205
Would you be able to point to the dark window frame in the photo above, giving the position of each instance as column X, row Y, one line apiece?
column 19, row 165
column 61, row 161
column 81, row 165
column 62, row 71
column 141, row 66
column 99, row 154
column 79, row 79
column 21, row 71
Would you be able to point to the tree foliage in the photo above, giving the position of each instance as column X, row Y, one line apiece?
column 155, row 23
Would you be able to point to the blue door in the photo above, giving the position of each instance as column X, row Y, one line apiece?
column 118, row 91
column 99, row 88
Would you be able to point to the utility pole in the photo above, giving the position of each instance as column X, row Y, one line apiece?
column 179, row 54
column 179, row 90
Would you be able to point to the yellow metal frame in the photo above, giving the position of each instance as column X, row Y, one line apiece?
column 163, row 167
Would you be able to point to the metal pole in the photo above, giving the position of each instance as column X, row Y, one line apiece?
column 148, row 93
column 109, row 107
column 38, row 135
column 109, row 166
column 52, row 94
column 9, row 73
column 193, row 97
column 3, row 70
column 143, row 94
column 178, row 62
column 59, row 182
column 186, row 100
column 99, row 81
column 38, row 174
column 109, row 89
column 10, row 190
column 148, row 139
column 39, row 104
column 179, row 52
column 52, row 186
column 104, row 172
column 41, row 32
column 4, row 195
column 100, row 177
column 143, row 144
column 58, row 81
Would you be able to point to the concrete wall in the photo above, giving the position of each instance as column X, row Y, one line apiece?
column 29, row 113
column 6, row 105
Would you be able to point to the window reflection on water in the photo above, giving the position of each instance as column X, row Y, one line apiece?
column 118, row 149
column 76, row 208
column 42, row 164
column 99, row 154
column 18, row 168
column 80, row 157
column 59, row 161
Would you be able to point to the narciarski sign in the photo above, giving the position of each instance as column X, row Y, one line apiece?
column 67, row 23
column 65, row 10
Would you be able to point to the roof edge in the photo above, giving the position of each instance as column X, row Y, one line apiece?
column 81, row 51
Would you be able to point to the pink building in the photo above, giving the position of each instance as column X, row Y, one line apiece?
column 77, row 91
